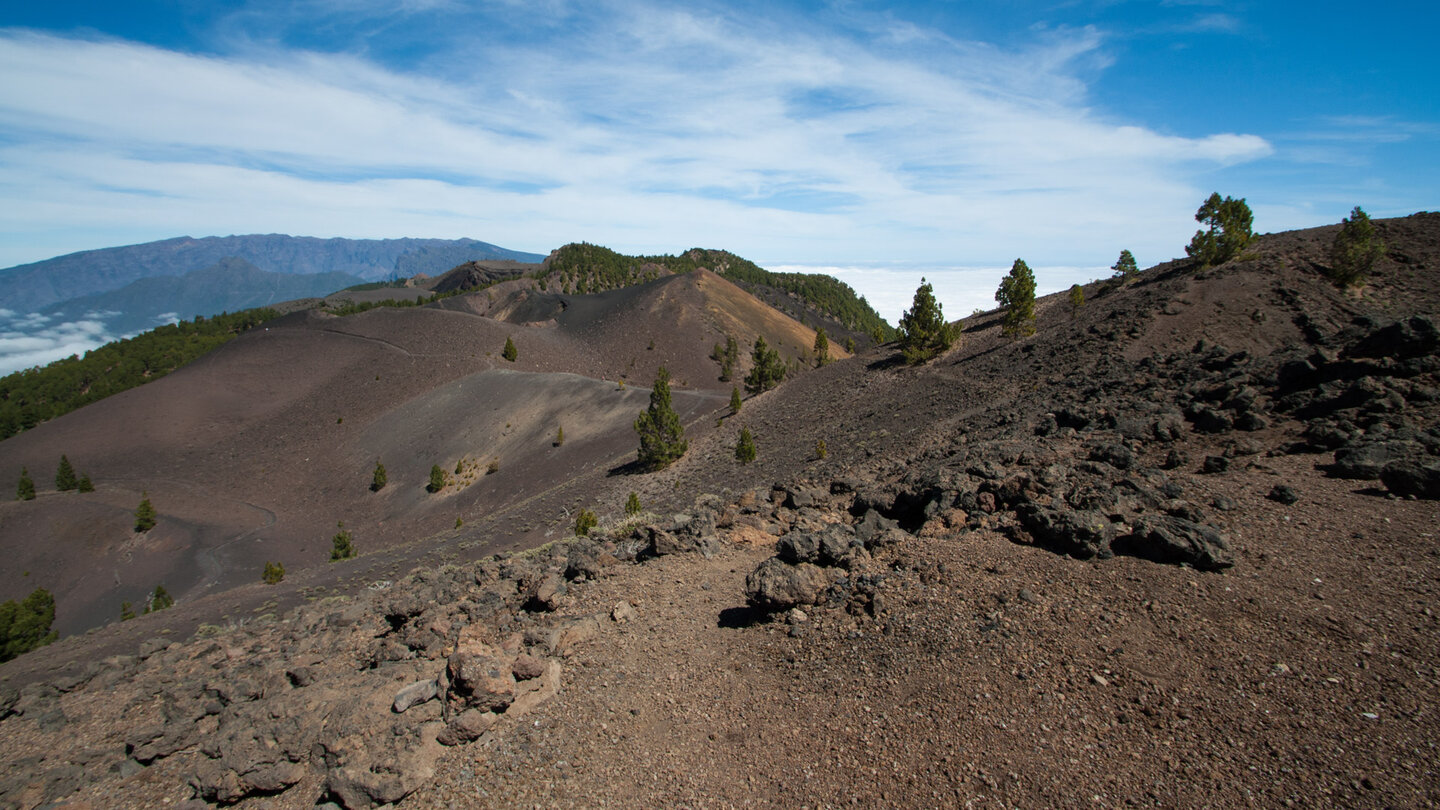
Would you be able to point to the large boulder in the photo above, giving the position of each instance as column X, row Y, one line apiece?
column 1364, row 462
column 1421, row 480
column 1174, row 540
column 776, row 585
column 1079, row 533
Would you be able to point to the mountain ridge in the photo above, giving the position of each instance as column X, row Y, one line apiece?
column 50, row 281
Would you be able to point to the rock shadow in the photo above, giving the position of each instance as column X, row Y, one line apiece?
column 740, row 617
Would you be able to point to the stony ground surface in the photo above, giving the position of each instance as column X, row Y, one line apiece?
column 1179, row 549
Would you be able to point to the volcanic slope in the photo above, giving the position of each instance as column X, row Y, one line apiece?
column 255, row 452
column 987, row 609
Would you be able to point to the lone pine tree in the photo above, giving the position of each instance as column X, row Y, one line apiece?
column 1355, row 249
column 662, row 437
column 380, row 478
column 510, row 352
column 1017, row 296
column 144, row 514
column 735, row 402
column 1125, row 266
column 1228, row 224
column 25, row 491
column 65, row 479
column 822, row 347
column 924, row 334
column 745, row 447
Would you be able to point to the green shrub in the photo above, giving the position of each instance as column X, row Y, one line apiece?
column 510, row 353
column 274, row 573
column 584, row 522
column 820, row 450
column 437, row 479
column 1355, row 250
column 159, row 600
column 25, row 491
column 559, row 436
column 662, row 436
column 726, row 356
column 745, row 447
column 86, row 485
column 25, row 625
column 127, row 611
column 144, row 514
column 735, row 401
column 379, row 479
column 342, row 544
column 632, row 505
column 1077, row 298
column 923, row 332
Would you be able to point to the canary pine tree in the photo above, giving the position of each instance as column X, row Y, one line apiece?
column 662, row 436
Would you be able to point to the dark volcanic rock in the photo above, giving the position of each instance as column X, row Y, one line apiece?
column 1364, row 462
column 1412, row 478
column 1175, row 540
column 1079, row 533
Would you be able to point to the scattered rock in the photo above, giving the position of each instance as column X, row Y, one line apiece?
column 1282, row 493
column 415, row 694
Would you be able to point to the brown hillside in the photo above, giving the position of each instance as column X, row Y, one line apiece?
column 255, row 452
column 1177, row 549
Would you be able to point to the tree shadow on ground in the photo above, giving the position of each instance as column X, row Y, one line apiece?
column 633, row 467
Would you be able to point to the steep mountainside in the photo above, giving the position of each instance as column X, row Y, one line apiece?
column 1176, row 549
column 29, row 287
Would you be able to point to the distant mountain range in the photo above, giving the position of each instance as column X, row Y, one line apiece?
column 229, row 285
column 33, row 287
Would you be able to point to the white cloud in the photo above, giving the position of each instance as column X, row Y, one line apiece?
column 26, row 341
column 890, row 289
column 656, row 129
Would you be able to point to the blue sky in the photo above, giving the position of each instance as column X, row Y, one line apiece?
column 926, row 137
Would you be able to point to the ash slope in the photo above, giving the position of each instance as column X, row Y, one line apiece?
column 957, row 660
column 255, row 452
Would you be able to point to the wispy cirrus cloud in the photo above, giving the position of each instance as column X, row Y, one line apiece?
column 648, row 128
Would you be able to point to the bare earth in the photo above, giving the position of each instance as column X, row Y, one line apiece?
column 954, row 659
